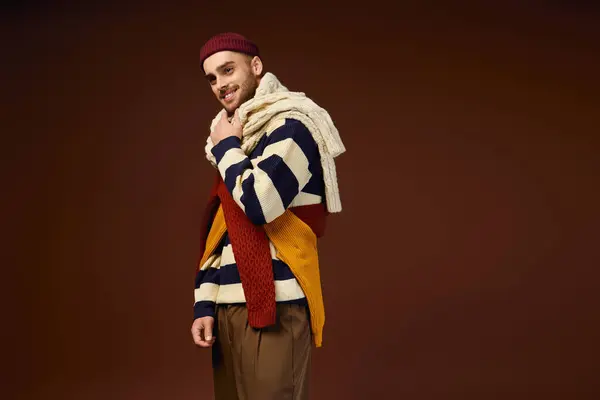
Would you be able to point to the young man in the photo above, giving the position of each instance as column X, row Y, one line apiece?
column 258, row 300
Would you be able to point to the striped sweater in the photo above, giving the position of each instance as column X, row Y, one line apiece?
column 284, row 170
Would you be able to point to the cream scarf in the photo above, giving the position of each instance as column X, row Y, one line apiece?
column 273, row 102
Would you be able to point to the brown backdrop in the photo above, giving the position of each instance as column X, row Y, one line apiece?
column 463, row 265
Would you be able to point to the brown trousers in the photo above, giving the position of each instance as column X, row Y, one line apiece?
column 272, row 363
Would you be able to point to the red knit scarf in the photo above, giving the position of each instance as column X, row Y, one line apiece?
column 251, row 250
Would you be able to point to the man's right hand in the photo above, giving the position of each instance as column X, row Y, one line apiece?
column 202, row 331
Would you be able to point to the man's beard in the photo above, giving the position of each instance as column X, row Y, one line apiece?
column 246, row 91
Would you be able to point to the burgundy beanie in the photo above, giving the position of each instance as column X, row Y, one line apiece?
column 227, row 41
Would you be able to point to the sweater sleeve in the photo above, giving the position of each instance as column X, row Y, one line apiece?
column 206, row 288
column 265, row 186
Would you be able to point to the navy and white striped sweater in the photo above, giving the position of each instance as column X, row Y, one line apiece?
column 284, row 170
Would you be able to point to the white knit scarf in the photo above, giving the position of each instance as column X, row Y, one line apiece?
column 273, row 102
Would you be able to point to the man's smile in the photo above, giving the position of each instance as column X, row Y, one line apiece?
column 228, row 95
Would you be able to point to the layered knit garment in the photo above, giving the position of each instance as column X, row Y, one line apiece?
column 292, row 143
column 273, row 101
column 294, row 235
column 252, row 254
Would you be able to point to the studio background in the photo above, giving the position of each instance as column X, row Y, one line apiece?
column 463, row 266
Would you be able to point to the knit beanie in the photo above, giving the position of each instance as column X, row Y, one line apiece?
column 227, row 41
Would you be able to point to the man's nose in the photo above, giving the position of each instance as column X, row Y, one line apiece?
column 221, row 84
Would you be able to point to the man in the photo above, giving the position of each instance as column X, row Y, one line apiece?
column 258, row 300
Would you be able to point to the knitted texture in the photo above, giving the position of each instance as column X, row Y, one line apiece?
column 294, row 236
column 209, row 212
column 273, row 101
column 296, row 242
column 253, row 258
column 228, row 41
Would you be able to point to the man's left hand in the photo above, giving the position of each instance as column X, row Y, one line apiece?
column 225, row 129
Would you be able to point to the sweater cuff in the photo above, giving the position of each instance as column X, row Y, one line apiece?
column 224, row 145
column 204, row 309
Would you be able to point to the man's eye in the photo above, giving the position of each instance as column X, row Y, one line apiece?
column 228, row 70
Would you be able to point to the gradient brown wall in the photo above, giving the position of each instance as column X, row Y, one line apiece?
column 464, row 262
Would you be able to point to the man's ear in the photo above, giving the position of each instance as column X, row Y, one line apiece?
column 256, row 65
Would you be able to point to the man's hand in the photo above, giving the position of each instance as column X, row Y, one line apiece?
column 202, row 329
column 225, row 129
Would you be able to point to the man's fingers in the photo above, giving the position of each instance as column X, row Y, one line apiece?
column 202, row 332
column 208, row 327
column 223, row 118
column 236, row 119
column 197, row 334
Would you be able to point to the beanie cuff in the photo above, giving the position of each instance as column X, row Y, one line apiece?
column 228, row 42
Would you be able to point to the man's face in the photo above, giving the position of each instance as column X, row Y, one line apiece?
column 233, row 78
